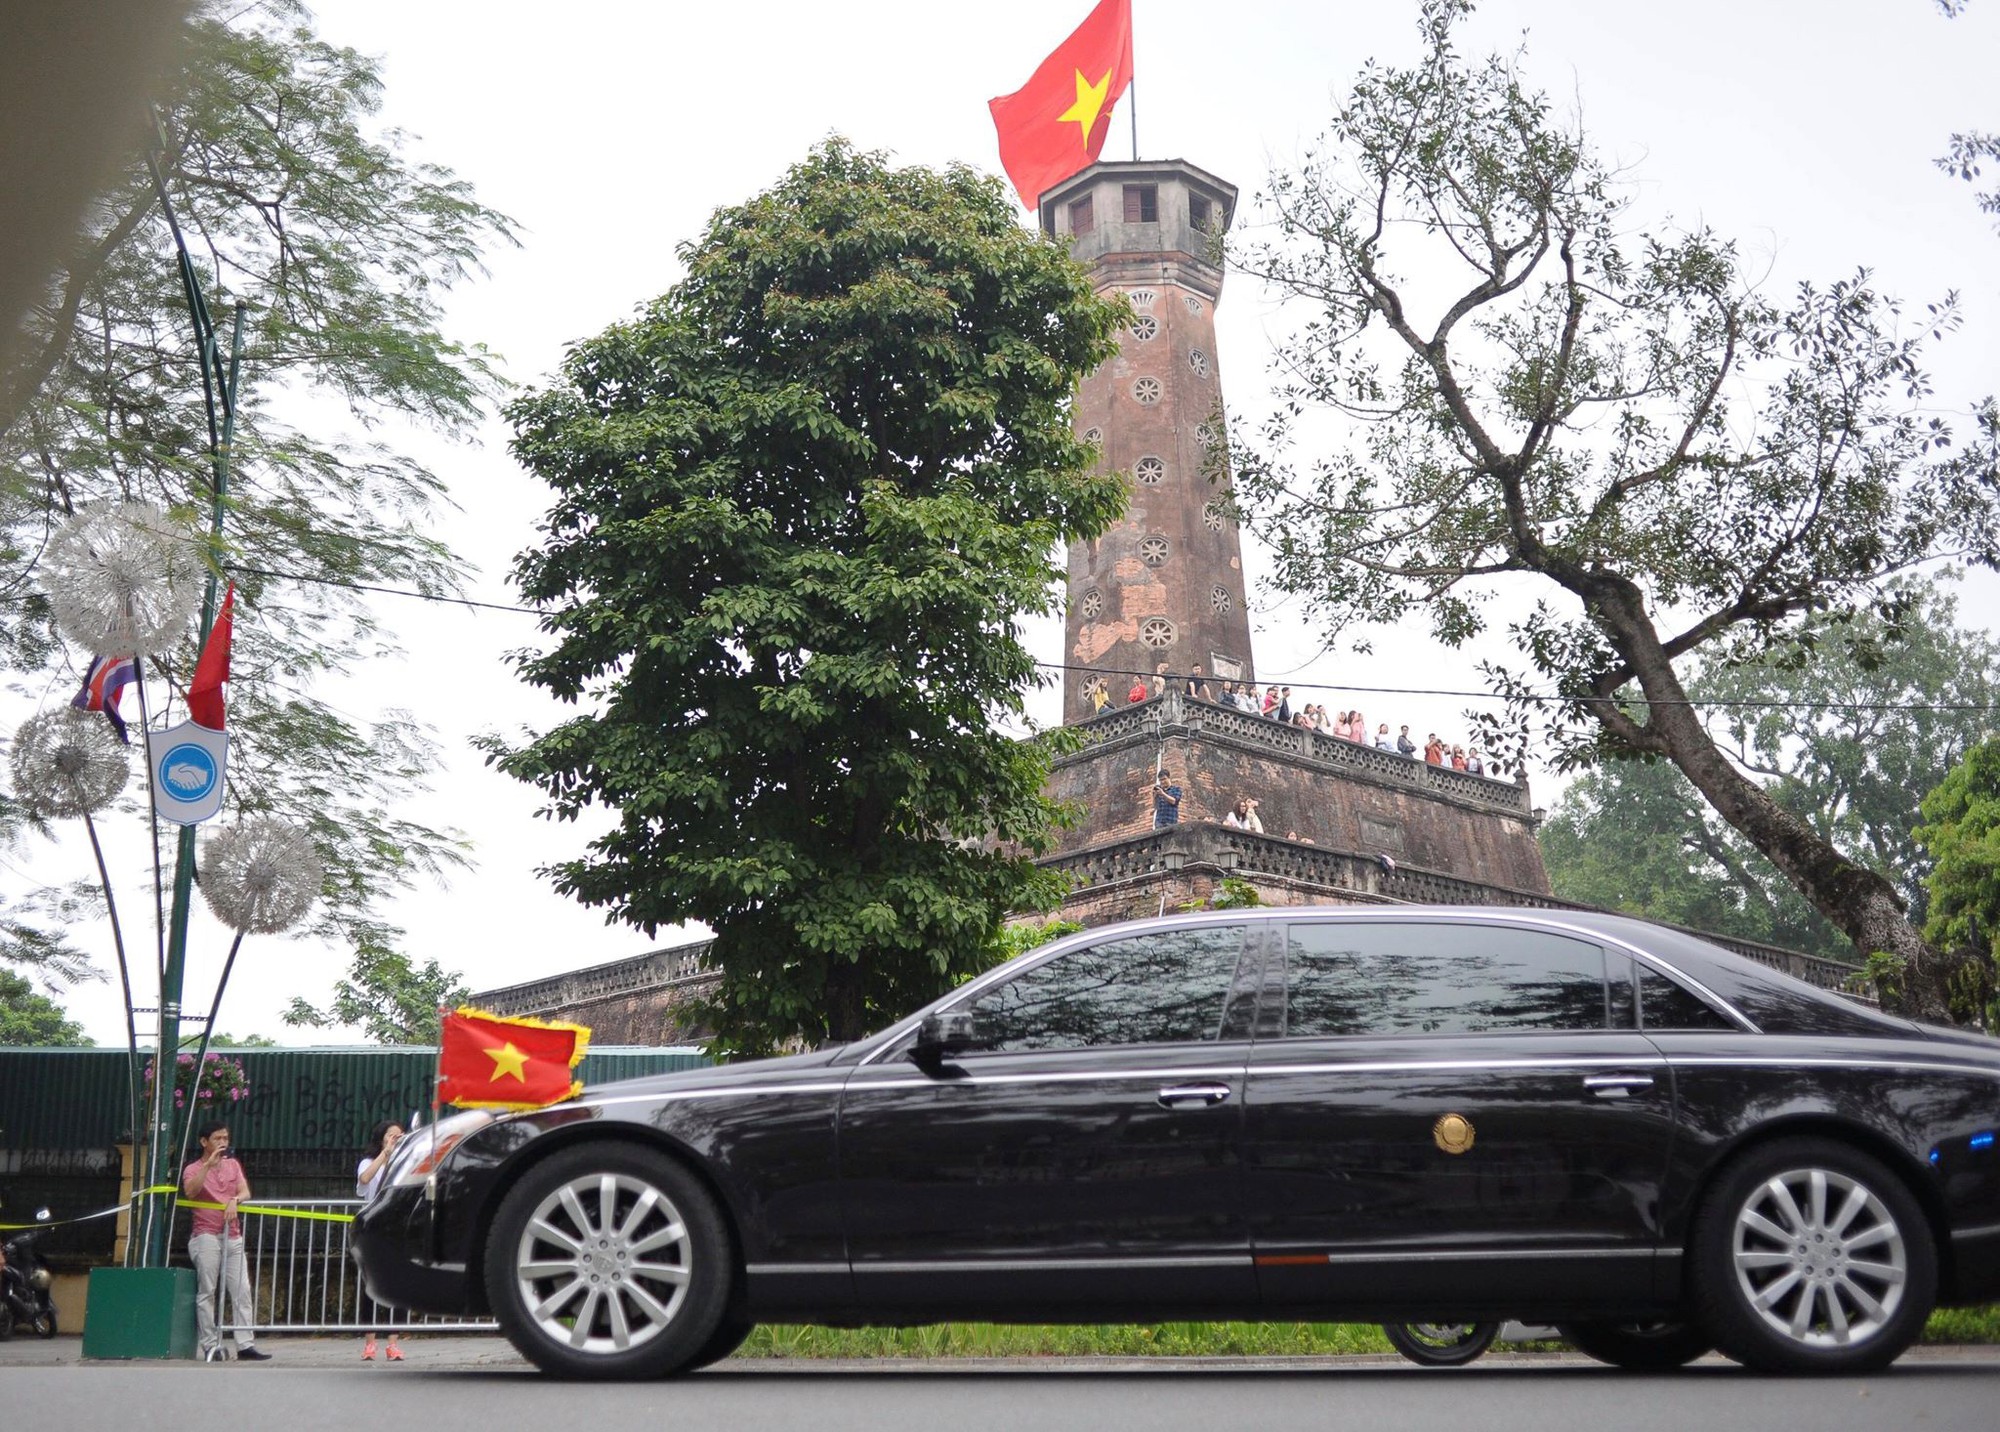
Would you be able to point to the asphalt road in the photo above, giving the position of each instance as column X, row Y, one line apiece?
column 477, row 1384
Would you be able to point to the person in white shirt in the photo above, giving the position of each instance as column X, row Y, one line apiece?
column 368, row 1176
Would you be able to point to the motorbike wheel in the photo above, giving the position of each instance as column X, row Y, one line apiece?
column 44, row 1323
column 1441, row 1344
column 6, row 1321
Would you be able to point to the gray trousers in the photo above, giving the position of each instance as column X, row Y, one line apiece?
column 213, row 1263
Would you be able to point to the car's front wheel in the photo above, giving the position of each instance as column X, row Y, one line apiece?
column 1810, row 1256
column 609, row 1260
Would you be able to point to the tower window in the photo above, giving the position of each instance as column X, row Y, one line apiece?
column 1153, row 551
column 1201, row 213
column 1082, row 215
column 1145, row 328
column 1147, row 391
column 1142, row 203
column 1149, row 470
column 1156, row 632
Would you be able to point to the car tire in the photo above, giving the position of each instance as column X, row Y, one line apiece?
column 1639, row 1347
column 1811, row 1256
column 727, row 1337
column 1441, row 1344
column 608, row 1260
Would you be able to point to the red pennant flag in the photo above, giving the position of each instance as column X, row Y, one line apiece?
column 486, row 1061
column 204, row 696
column 1054, row 125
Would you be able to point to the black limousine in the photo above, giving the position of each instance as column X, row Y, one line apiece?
column 1369, row 1114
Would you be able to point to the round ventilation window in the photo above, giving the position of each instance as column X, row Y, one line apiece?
column 1091, row 604
column 1093, row 436
column 1149, row 470
column 1193, row 303
column 1156, row 632
column 1198, row 361
column 1219, row 599
column 1153, row 551
column 1211, row 513
column 1145, row 328
column 1142, row 297
column 1147, row 391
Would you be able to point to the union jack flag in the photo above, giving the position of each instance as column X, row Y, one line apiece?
column 103, row 684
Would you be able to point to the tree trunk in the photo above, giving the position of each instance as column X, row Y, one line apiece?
column 846, row 1002
column 1859, row 902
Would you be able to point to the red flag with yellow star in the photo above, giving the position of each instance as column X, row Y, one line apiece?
column 1054, row 125
column 486, row 1061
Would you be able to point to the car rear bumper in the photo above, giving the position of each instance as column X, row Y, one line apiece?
column 392, row 1243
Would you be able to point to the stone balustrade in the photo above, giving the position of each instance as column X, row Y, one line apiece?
column 1217, row 849
column 1176, row 714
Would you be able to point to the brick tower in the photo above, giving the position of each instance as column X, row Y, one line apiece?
column 1166, row 583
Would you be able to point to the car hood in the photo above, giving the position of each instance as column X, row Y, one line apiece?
column 712, row 1076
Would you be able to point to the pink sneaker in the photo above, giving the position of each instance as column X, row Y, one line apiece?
column 395, row 1353
column 368, row 1349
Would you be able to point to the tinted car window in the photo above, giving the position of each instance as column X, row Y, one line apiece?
column 1666, row 1004
column 1438, row 979
column 1166, row 988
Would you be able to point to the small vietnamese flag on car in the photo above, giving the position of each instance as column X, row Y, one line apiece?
column 487, row 1061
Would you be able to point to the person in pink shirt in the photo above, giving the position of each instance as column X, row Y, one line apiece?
column 215, row 1245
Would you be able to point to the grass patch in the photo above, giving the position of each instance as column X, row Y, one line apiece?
column 1057, row 1340
column 1947, row 1325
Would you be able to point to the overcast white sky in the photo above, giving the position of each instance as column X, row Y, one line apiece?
column 611, row 129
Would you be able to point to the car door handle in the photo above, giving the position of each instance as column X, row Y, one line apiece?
column 1616, row 1086
column 1206, row 1095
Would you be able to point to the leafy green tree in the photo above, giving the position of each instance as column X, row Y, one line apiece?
column 388, row 996
column 1635, row 836
column 342, row 247
column 802, row 503
column 1961, row 830
column 1550, row 402
column 30, row 1018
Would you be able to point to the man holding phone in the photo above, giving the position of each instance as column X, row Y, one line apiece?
column 215, row 1245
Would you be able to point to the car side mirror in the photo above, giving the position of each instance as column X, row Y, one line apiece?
column 941, row 1035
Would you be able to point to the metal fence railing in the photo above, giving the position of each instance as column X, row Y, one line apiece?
column 304, row 1279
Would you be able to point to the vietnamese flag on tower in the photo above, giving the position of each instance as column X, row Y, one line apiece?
column 1054, row 125
column 211, row 668
column 486, row 1061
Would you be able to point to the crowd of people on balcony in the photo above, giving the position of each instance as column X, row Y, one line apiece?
column 1276, row 705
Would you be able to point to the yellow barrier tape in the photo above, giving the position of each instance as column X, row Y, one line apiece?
column 259, row 1208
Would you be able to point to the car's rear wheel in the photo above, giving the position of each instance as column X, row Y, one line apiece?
column 1441, row 1344
column 1810, row 1256
column 1640, row 1347
column 608, row 1260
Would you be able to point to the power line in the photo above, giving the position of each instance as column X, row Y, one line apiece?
column 1531, row 698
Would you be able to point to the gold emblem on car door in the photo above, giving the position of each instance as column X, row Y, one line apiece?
column 1453, row 1133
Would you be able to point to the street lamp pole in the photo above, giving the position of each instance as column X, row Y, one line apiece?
column 218, row 381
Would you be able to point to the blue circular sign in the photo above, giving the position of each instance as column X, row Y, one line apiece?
column 188, row 772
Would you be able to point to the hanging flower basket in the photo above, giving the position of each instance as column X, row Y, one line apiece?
column 223, row 1086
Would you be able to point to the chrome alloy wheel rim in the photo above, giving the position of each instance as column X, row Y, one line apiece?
column 603, row 1263
column 1820, row 1258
